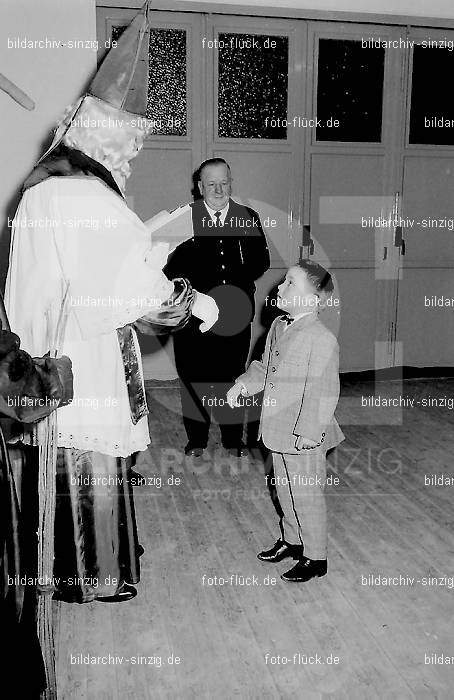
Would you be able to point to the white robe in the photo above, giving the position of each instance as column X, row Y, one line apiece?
column 76, row 231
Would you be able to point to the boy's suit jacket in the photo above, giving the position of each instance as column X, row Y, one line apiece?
column 299, row 374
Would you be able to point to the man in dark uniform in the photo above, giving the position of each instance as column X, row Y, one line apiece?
column 225, row 257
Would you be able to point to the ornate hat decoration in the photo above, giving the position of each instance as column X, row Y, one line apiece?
column 122, row 77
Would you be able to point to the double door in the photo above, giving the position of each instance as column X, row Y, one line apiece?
column 329, row 130
column 381, row 188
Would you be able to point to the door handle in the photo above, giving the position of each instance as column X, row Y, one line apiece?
column 398, row 237
column 399, row 241
column 307, row 241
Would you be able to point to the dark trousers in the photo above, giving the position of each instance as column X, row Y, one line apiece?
column 18, row 541
column 208, row 364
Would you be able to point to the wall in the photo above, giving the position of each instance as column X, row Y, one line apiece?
column 52, row 77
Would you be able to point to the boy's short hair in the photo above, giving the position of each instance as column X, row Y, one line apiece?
column 320, row 278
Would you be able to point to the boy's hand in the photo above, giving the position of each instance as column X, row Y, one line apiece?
column 233, row 394
column 302, row 443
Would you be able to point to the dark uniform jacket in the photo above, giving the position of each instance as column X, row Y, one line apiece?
column 224, row 261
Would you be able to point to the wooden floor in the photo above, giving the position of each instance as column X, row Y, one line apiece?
column 252, row 641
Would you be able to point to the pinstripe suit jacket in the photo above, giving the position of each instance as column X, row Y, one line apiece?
column 299, row 373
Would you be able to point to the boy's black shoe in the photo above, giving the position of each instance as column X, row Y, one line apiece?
column 280, row 551
column 306, row 569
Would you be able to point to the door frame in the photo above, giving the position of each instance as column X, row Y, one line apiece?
column 285, row 12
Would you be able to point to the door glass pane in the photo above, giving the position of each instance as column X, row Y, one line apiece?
column 252, row 87
column 432, row 105
column 167, row 102
column 166, row 95
column 350, row 90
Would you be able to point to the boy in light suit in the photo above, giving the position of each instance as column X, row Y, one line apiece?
column 299, row 374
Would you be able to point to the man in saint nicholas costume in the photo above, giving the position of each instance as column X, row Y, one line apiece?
column 83, row 275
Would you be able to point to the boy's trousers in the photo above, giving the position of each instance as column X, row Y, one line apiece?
column 300, row 483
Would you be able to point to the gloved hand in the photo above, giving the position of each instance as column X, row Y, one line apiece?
column 206, row 309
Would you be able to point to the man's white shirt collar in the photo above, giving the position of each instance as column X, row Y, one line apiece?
column 212, row 212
